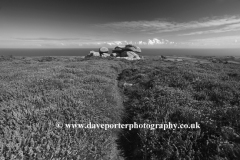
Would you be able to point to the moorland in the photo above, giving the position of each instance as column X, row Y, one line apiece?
column 36, row 93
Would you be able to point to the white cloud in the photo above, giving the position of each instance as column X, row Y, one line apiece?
column 68, row 43
column 155, row 41
column 223, row 24
column 220, row 42
column 219, row 39
column 149, row 42
column 226, row 28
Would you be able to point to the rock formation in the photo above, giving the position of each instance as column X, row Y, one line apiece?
column 103, row 50
column 115, row 54
column 133, row 48
column 93, row 54
column 118, row 49
column 105, row 55
column 130, row 54
column 127, row 52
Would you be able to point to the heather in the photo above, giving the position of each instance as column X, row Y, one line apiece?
column 38, row 92
column 182, row 93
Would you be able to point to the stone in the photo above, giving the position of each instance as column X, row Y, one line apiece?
column 103, row 50
column 130, row 55
column 128, row 47
column 179, row 60
column 133, row 48
column 133, row 54
column 105, row 55
column 93, row 54
column 118, row 49
column 127, row 84
column 124, row 54
column 128, row 52
column 115, row 54
column 97, row 54
column 170, row 59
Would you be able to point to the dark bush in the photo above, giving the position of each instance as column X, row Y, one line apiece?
column 46, row 59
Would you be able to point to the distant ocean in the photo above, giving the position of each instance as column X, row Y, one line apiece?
column 145, row 52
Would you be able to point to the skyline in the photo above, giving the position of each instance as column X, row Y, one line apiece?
column 92, row 23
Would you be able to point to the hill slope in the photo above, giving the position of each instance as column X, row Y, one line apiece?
column 38, row 93
column 182, row 93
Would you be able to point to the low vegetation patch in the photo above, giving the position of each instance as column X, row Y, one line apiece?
column 36, row 93
column 184, row 94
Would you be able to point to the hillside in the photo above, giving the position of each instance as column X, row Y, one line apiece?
column 182, row 93
column 38, row 93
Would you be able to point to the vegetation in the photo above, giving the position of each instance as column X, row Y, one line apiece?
column 182, row 93
column 38, row 92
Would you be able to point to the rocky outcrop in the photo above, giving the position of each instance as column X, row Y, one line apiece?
column 118, row 49
column 128, row 52
column 128, row 47
column 133, row 48
column 179, row 60
column 103, row 50
column 105, row 55
column 115, row 54
column 93, row 54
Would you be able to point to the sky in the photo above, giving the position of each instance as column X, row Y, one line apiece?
column 96, row 23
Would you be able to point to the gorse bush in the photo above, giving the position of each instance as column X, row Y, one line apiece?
column 181, row 94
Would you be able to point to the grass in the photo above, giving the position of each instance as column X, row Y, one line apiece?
column 38, row 92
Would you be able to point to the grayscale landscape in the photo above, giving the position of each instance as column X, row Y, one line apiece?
column 68, row 63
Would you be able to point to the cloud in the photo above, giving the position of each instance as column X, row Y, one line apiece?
column 222, row 29
column 79, row 42
column 52, row 39
column 149, row 42
column 232, row 39
column 223, row 24
column 216, row 42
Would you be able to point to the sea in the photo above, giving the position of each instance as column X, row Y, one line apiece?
column 145, row 52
